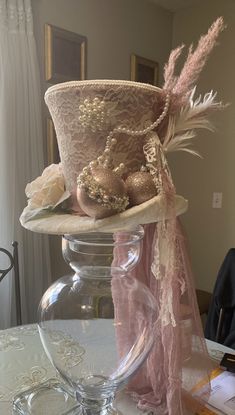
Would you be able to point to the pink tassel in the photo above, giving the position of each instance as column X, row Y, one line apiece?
column 169, row 70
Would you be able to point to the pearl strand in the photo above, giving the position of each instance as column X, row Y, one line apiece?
column 105, row 159
column 111, row 141
column 149, row 128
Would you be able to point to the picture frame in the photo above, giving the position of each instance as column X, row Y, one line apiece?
column 144, row 70
column 65, row 55
column 53, row 156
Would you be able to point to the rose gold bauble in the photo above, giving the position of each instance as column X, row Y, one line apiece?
column 112, row 185
column 140, row 187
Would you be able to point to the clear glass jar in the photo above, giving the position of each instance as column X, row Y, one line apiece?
column 103, row 316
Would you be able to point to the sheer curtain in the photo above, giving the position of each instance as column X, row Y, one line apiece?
column 21, row 156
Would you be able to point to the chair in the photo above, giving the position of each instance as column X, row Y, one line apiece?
column 14, row 264
column 220, row 325
column 204, row 299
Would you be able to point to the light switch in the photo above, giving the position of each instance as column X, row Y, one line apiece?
column 217, row 200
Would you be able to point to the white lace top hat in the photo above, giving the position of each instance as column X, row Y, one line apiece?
column 106, row 132
column 112, row 138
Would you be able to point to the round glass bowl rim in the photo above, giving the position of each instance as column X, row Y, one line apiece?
column 137, row 232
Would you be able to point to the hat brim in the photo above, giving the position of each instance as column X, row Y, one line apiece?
column 154, row 210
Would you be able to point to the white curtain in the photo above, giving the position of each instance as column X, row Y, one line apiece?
column 21, row 156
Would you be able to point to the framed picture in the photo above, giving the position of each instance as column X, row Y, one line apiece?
column 52, row 146
column 144, row 70
column 65, row 55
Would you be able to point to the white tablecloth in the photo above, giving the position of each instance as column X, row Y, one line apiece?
column 23, row 364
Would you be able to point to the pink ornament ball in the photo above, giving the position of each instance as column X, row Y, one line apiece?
column 140, row 188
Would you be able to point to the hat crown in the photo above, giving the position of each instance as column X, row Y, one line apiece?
column 85, row 112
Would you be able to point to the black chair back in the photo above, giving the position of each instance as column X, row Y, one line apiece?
column 13, row 265
column 220, row 325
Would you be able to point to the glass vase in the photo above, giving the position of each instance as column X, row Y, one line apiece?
column 87, row 310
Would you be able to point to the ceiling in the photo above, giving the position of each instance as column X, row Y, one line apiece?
column 174, row 5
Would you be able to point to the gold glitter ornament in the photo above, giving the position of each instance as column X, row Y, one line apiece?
column 140, row 187
column 103, row 193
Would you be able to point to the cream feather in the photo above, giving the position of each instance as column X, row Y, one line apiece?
column 181, row 142
column 194, row 115
column 181, row 127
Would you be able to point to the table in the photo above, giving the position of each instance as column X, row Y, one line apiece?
column 23, row 364
column 216, row 350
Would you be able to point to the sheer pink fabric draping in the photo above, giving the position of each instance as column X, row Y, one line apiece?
column 179, row 359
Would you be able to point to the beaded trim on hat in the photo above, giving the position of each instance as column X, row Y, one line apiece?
column 96, row 192
column 102, row 82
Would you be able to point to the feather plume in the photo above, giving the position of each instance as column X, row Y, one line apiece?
column 181, row 127
column 182, row 85
column 194, row 114
column 181, row 142
column 197, row 59
column 169, row 69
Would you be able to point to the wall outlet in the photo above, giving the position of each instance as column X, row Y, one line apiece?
column 217, row 200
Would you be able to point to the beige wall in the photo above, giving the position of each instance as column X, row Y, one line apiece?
column 117, row 28
column 114, row 29
column 211, row 231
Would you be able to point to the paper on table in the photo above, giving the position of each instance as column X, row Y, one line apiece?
column 223, row 393
column 222, row 396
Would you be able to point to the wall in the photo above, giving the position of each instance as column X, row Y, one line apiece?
column 114, row 29
column 211, row 231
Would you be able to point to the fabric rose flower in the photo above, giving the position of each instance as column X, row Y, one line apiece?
column 48, row 190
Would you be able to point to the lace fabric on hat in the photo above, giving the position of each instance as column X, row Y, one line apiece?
column 85, row 112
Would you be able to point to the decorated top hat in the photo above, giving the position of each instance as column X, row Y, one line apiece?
column 113, row 137
column 112, row 159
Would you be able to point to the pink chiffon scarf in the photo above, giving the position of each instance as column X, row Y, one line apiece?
column 179, row 359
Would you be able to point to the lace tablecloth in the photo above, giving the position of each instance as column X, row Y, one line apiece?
column 24, row 364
